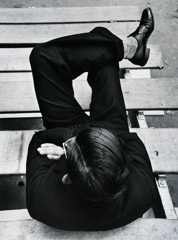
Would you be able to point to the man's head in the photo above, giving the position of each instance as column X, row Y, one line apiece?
column 96, row 164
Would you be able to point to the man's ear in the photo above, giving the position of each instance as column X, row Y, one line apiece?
column 66, row 179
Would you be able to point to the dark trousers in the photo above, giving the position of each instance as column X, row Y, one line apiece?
column 56, row 63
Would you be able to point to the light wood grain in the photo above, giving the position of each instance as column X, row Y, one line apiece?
column 13, row 151
column 162, row 147
column 18, row 96
column 14, row 215
column 141, row 229
column 17, row 59
column 35, row 33
column 17, row 93
column 163, row 154
column 74, row 14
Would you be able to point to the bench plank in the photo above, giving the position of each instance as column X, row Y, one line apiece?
column 13, row 151
column 141, row 229
column 139, row 94
column 17, row 59
column 34, row 33
column 14, row 215
column 163, row 154
column 74, row 14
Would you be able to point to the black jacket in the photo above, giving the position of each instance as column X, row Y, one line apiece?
column 58, row 205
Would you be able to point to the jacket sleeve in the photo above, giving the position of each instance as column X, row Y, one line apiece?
column 37, row 164
column 141, row 164
column 38, row 169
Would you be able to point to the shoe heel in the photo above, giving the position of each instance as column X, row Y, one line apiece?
column 147, row 54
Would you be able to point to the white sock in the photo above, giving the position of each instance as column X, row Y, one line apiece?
column 130, row 47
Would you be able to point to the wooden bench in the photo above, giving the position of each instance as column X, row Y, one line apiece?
column 141, row 229
column 23, row 28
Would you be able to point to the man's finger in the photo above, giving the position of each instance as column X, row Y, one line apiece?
column 47, row 145
column 46, row 150
column 54, row 150
column 53, row 157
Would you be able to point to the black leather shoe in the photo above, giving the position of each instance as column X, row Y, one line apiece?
column 142, row 34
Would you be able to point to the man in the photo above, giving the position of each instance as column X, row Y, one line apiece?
column 88, row 172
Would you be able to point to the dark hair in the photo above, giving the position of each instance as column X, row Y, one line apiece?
column 96, row 164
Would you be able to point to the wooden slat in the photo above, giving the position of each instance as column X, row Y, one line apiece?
column 145, row 93
column 17, row 59
column 14, row 215
column 14, row 145
column 74, row 14
column 18, row 96
column 138, row 93
column 165, row 197
column 34, row 33
column 20, row 115
column 141, row 229
column 162, row 146
column 163, row 154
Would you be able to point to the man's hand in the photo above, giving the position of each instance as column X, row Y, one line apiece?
column 52, row 151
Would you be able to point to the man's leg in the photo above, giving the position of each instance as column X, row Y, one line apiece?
column 107, row 107
column 56, row 63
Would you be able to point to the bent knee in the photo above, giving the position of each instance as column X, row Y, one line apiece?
column 99, row 29
column 36, row 54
